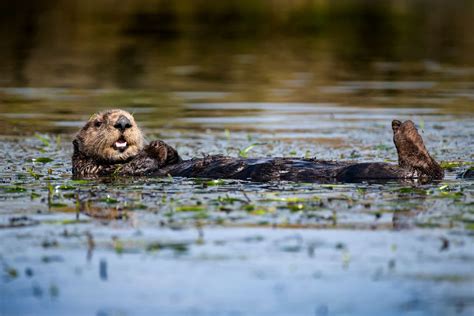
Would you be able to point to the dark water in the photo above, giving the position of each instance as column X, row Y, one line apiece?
column 297, row 78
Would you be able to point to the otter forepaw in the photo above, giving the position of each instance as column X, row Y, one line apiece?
column 157, row 150
column 162, row 152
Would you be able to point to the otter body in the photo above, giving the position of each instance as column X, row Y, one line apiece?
column 111, row 144
column 281, row 169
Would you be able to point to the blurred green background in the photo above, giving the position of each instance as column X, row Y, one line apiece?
column 237, row 44
column 68, row 59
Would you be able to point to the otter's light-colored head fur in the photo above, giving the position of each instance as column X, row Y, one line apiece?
column 112, row 136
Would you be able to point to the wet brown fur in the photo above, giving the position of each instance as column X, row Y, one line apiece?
column 97, row 137
column 412, row 153
column 95, row 155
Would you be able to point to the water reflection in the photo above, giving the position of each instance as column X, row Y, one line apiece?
column 174, row 45
column 162, row 57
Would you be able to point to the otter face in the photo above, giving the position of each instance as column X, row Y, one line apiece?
column 112, row 136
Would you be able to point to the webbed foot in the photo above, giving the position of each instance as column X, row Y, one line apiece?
column 412, row 153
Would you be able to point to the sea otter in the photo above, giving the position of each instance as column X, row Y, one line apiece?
column 111, row 143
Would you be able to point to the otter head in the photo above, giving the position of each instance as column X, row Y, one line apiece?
column 111, row 136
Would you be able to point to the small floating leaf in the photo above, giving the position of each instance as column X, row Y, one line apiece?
column 34, row 174
column 11, row 272
column 80, row 181
column 16, row 189
column 66, row 187
column 422, row 124
column 444, row 187
column 244, row 152
column 248, row 207
column 43, row 139
column 450, row 165
column 140, row 206
column 259, row 212
column 229, row 200
column 450, row 195
column 469, row 226
column 109, row 200
column 215, row 182
column 413, row 190
column 35, row 195
column 118, row 245
column 58, row 205
column 42, row 159
column 294, row 207
column 176, row 246
column 190, row 208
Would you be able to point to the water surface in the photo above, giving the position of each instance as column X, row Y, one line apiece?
column 303, row 80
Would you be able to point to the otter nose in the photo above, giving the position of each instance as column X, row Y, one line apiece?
column 123, row 123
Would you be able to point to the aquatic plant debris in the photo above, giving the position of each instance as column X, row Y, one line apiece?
column 204, row 230
column 177, row 246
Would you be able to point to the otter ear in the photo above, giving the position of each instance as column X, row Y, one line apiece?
column 75, row 143
column 396, row 125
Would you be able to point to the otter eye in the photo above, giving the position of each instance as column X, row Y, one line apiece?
column 98, row 123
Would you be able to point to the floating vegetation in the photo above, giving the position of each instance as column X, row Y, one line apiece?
column 109, row 200
column 452, row 165
column 190, row 208
column 214, row 182
column 14, row 189
column 469, row 226
column 209, row 183
column 81, row 182
column 42, row 159
column 11, row 272
column 35, row 195
column 259, row 211
column 175, row 246
column 243, row 153
column 118, row 245
column 58, row 204
column 65, row 222
column 413, row 190
column 139, row 206
column 66, row 187
column 229, row 200
column 44, row 140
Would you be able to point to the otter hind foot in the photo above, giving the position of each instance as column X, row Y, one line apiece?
column 412, row 153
